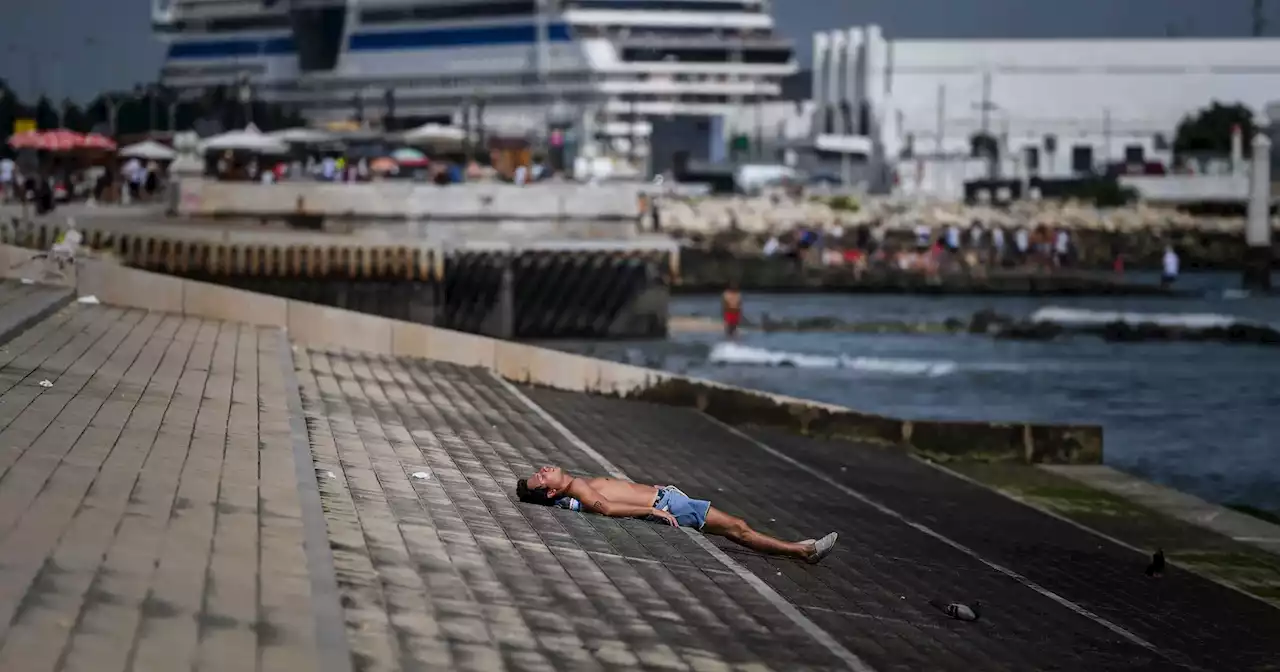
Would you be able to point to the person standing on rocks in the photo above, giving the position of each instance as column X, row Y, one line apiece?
column 1171, row 265
column 731, row 309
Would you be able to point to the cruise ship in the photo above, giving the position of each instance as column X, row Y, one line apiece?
column 618, row 67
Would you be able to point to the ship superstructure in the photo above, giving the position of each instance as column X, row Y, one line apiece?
column 604, row 61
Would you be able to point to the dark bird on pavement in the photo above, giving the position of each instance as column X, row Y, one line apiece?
column 1156, row 569
column 960, row 612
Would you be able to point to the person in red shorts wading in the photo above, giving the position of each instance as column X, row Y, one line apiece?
column 731, row 309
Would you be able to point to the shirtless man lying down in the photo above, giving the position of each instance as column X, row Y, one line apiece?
column 552, row 486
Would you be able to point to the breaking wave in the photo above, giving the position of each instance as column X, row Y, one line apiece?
column 1079, row 317
column 736, row 353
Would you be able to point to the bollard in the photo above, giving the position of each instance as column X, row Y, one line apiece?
column 507, row 303
column 1257, row 230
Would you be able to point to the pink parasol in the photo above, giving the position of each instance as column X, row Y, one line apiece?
column 98, row 141
column 25, row 140
column 61, row 140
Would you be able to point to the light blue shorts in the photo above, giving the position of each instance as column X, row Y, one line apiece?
column 688, row 512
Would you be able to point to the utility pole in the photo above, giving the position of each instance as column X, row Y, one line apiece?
column 987, row 145
column 1106, row 137
column 942, row 118
column 1259, row 19
column 986, row 103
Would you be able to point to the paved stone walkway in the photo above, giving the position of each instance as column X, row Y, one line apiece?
column 449, row 572
column 149, row 517
column 871, row 593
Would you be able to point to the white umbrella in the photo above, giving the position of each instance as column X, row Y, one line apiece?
column 148, row 150
column 429, row 133
column 248, row 140
column 304, row 136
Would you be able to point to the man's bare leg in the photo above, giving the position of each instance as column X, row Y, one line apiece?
column 736, row 530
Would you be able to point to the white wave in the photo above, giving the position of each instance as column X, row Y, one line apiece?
column 1080, row 317
column 736, row 353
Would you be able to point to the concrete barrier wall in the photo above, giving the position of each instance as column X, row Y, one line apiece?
column 410, row 200
column 324, row 327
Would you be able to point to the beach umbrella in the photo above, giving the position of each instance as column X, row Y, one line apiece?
column 407, row 156
column 98, row 141
column 433, row 134
column 250, row 139
column 148, row 150
column 304, row 136
column 384, row 165
column 25, row 140
column 61, row 140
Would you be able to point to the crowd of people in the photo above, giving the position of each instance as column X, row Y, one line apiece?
column 928, row 249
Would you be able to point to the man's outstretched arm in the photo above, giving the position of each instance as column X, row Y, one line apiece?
column 596, row 503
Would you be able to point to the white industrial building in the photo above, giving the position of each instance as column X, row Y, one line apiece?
column 916, row 104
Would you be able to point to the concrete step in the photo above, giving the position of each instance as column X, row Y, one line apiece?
column 23, row 305
column 148, row 513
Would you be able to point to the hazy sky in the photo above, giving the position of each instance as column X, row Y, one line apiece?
column 80, row 47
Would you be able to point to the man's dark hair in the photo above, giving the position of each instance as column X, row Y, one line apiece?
column 531, row 496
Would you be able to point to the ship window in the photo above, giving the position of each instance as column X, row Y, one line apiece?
column 771, row 56
column 435, row 12
column 318, row 34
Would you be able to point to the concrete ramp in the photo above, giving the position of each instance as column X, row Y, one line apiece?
column 448, row 572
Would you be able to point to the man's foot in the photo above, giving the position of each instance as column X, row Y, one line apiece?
column 821, row 548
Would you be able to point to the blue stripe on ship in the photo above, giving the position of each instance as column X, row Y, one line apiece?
column 271, row 46
column 399, row 40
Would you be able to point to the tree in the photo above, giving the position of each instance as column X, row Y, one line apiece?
column 1208, row 132
column 46, row 114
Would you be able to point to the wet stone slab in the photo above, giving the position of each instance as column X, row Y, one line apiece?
column 148, row 516
column 450, row 572
column 872, row 593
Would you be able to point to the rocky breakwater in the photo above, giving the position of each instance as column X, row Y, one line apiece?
column 742, row 225
column 1048, row 324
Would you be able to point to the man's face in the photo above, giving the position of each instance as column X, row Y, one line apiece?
column 550, row 478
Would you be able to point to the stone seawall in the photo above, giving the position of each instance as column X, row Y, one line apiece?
column 589, row 291
column 706, row 272
column 323, row 326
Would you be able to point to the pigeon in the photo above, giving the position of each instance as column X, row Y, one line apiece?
column 1156, row 569
column 960, row 612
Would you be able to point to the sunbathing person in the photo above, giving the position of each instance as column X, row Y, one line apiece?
column 551, row 486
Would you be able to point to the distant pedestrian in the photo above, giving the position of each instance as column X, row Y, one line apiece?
column 1022, row 243
column 1061, row 247
column 953, row 238
column 924, row 237
column 731, row 309
column 1171, row 265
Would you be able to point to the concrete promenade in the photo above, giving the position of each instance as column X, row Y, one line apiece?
column 193, row 493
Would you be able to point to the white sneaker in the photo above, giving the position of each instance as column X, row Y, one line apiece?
column 822, row 548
